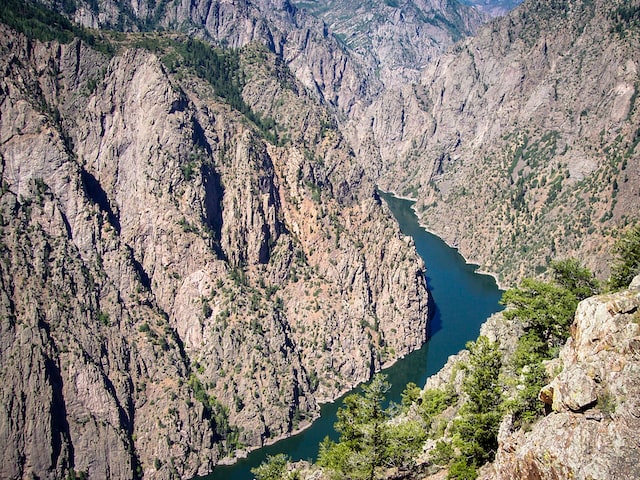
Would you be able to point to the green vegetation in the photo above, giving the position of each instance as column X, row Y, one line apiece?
column 76, row 475
column 570, row 274
column 40, row 23
column 627, row 261
column 144, row 328
column 475, row 431
column 219, row 67
column 494, row 386
column 189, row 170
column 433, row 402
column 624, row 18
column 273, row 469
column 103, row 317
column 217, row 414
column 368, row 442
column 546, row 310
column 410, row 395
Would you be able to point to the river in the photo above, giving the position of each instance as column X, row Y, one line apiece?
column 461, row 301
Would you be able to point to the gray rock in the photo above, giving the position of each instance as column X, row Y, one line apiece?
column 574, row 390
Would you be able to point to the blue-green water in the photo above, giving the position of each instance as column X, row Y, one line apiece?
column 461, row 301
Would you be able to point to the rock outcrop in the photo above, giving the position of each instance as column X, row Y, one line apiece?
column 173, row 285
column 591, row 431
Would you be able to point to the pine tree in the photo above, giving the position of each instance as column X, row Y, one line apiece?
column 627, row 263
column 363, row 433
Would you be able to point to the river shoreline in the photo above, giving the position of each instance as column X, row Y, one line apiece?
column 462, row 300
column 245, row 452
column 469, row 261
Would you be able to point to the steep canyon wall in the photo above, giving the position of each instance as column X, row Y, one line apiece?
column 174, row 286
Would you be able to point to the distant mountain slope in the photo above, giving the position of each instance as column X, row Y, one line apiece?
column 345, row 51
column 396, row 38
column 521, row 143
column 494, row 8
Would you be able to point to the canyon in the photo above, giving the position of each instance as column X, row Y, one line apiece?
column 194, row 252
column 519, row 144
column 174, row 286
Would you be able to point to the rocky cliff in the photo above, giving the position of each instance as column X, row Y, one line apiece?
column 591, row 431
column 325, row 42
column 521, row 136
column 315, row 56
column 396, row 39
column 174, row 286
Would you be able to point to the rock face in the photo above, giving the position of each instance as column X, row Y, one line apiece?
column 522, row 135
column 396, row 39
column 347, row 53
column 173, row 286
column 592, row 429
column 303, row 42
column 495, row 8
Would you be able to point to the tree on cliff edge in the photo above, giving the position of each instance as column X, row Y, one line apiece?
column 627, row 263
column 360, row 423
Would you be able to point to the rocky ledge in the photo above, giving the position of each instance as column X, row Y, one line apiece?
column 594, row 402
